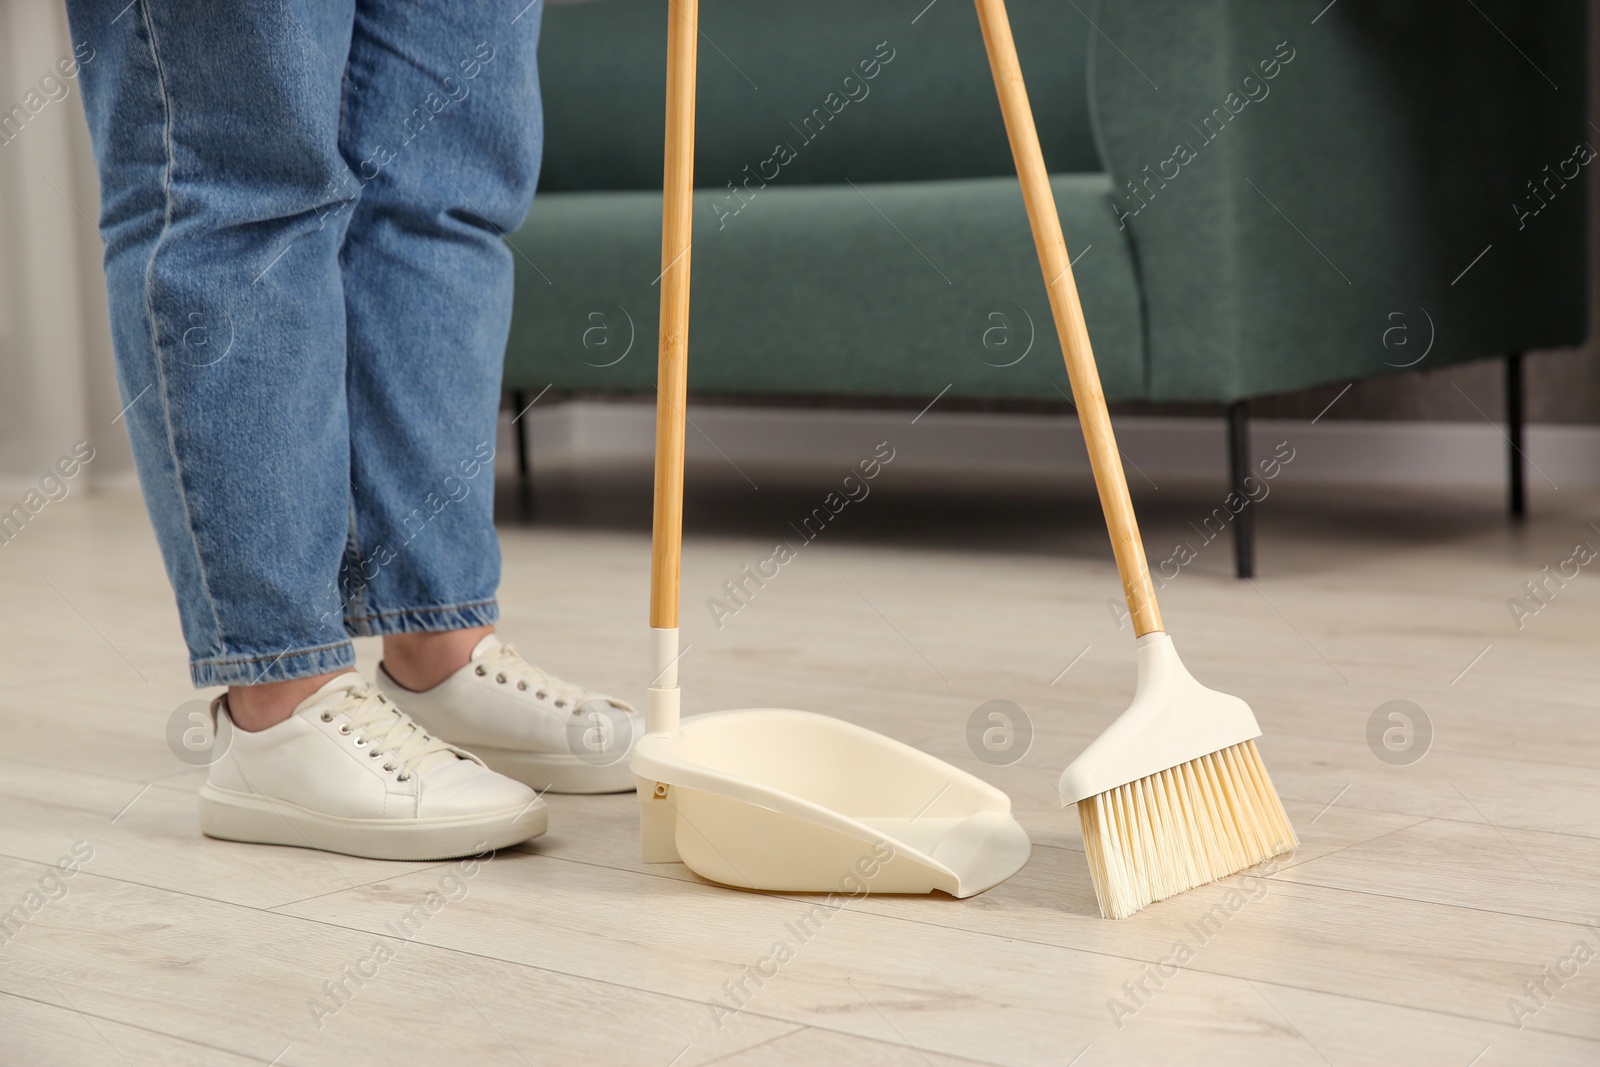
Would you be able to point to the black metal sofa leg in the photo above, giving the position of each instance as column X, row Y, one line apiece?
column 519, row 404
column 1244, row 524
column 1516, row 458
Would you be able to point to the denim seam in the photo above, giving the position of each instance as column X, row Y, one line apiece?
column 233, row 661
column 155, row 330
column 353, row 537
column 433, row 609
column 347, row 87
column 354, row 540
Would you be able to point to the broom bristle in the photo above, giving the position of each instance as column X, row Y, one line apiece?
column 1186, row 826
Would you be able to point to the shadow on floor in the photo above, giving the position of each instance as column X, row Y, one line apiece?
column 1307, row 528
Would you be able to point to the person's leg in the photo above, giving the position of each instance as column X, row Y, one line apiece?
column 442, row 124
column 421, row 661
column 224, row 196
column 215, row 130
column 443, row 128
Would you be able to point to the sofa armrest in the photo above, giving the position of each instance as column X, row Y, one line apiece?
column 1298, row 184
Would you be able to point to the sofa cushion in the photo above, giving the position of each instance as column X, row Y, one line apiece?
column 912, row 274
column 1318, row 226
column 790, row 72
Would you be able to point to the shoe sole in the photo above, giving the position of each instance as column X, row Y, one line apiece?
column 253, row 818
column 557, row 773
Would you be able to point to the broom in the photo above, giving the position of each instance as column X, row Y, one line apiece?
column 1173, row 794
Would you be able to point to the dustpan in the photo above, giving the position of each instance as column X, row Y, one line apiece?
column 774, row 798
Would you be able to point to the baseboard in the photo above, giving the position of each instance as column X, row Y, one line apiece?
column 1023, row 446
column 621, row 435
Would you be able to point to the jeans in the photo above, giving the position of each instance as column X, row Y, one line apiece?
column 302, row 204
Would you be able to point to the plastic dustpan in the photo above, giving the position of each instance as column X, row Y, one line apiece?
column 773, row 798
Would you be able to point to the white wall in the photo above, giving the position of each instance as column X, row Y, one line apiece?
column 57, row 384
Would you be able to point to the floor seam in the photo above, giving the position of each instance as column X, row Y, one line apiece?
column 130, row 1025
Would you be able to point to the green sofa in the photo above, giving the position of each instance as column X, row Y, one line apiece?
column 1250, row 189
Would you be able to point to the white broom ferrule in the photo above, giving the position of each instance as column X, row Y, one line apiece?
column 661, row 713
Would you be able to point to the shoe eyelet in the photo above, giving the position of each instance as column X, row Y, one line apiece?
column 403, row 776
column 359, row 743
column 326, row 716
column 500, row 678
column 480, row 672
column 561, row 703
column 522, row 685
column 374, row 753
column 344, row 728
column 389, row 767
column 540, row 694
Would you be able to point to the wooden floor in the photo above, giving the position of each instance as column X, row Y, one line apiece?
column 1423, row 900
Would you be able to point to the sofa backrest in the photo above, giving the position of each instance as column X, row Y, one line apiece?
column 819, row 91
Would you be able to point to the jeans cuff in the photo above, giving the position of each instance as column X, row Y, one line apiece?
column 256, row 670
column 436, row 619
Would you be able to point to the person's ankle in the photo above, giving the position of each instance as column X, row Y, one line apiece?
column 256, row 707
column 420, row 661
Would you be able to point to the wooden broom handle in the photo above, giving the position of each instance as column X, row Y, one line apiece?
column 672, row 385
column 1070, row 327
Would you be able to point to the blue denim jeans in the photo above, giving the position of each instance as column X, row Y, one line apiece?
column 302, row 204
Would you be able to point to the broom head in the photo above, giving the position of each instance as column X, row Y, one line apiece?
column 1174, row 794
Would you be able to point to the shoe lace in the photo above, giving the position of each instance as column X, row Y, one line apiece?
column 384, row 730
column 507, row 666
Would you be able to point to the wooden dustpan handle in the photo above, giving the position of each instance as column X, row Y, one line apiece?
column 677, row 233
column 1070, row 327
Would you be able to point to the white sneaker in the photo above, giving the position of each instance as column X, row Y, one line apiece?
column 532, row 726
column 349, row 772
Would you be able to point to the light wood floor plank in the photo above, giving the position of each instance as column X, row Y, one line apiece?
column 250, row 982
column 38, row 1032
column 685, row 935
column 1421, row 901
column 150, row 835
